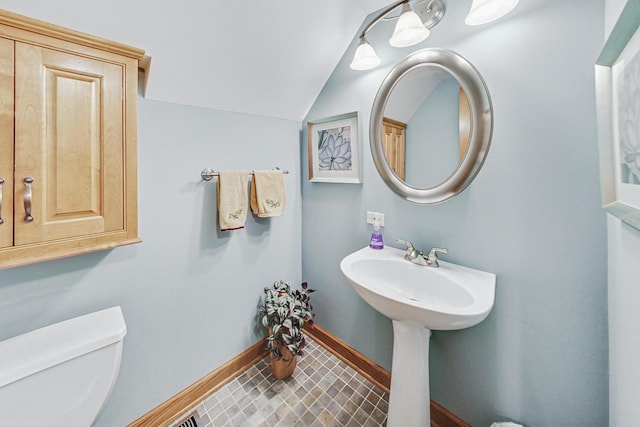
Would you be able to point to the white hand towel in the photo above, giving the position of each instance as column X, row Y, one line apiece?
column 232, row 199
column 267, row 193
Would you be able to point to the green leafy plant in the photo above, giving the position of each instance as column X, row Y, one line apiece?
column 285, row 312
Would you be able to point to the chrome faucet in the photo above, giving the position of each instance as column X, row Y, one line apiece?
column 432, row 258
column 413, row 255
column 416, row 256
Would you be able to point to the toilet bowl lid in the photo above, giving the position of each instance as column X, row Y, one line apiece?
column 43, row 348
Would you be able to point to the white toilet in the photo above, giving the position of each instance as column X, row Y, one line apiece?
column 62, row 374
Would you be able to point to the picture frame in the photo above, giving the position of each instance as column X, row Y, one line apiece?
column 617, row 74
column 334, row 149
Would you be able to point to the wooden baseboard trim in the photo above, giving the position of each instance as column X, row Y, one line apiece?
column 352, row 357
column 440, row 417
column 375, row 373
column 178, row 405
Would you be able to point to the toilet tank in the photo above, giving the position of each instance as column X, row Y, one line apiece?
column 62, row 374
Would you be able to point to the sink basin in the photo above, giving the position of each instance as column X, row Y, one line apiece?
column 417, row 299
column 444, row 298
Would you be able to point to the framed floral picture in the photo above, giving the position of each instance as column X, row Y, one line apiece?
column 334, row 149
column 618, row 107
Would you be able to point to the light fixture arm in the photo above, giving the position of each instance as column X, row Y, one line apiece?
column 382, row 15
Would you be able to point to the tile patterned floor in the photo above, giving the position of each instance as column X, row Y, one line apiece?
column 323, row 391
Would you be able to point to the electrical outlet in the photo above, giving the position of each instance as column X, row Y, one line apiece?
column 373, row 217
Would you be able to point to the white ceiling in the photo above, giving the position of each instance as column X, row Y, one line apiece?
column 263, row 57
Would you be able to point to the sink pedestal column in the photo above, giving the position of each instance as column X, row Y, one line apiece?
column 409, row 401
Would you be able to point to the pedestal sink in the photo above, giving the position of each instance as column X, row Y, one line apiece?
column 417, row 299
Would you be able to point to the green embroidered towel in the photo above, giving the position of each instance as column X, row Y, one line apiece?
column 232, row 199
column 267, row 193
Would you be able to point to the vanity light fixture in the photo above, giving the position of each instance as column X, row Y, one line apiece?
column 415, row 21
column 484, row 11
column 409, row 30
column 365, row 57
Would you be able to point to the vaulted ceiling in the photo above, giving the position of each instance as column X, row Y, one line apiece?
column 260, row 57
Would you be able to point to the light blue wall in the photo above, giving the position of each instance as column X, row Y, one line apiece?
column 532, row 216
column 623, row 244
column 189, row 293
column 432, row 138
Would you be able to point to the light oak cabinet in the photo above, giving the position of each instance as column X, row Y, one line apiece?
column 68, row 149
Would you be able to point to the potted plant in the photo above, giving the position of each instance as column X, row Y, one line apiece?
column 284, row 313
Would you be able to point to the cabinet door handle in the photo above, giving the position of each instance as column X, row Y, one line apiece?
column 1, row 182
column 27, row 199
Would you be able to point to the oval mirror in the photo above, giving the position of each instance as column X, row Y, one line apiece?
column 431, row 126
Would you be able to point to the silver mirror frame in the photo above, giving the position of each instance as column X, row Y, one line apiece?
column 481, row 131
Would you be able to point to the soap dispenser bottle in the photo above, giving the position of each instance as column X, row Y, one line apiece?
column 376, row 237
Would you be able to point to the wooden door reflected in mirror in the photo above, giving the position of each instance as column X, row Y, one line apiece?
column 394, row 132
column 464, row 123
column 393, row 140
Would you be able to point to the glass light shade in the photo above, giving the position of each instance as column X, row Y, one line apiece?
column 485, row 11
column 365, row 57
column 409, row 29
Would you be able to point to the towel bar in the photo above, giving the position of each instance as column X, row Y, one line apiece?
column 208, row 174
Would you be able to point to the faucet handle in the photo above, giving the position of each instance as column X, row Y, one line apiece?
column 433, row 251
column 432, row 258
column 407, row 243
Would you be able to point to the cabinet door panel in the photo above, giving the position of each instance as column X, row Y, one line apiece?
column 69, row 139
column 6, row 142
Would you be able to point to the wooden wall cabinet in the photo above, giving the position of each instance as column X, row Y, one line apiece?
column 68, row 142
